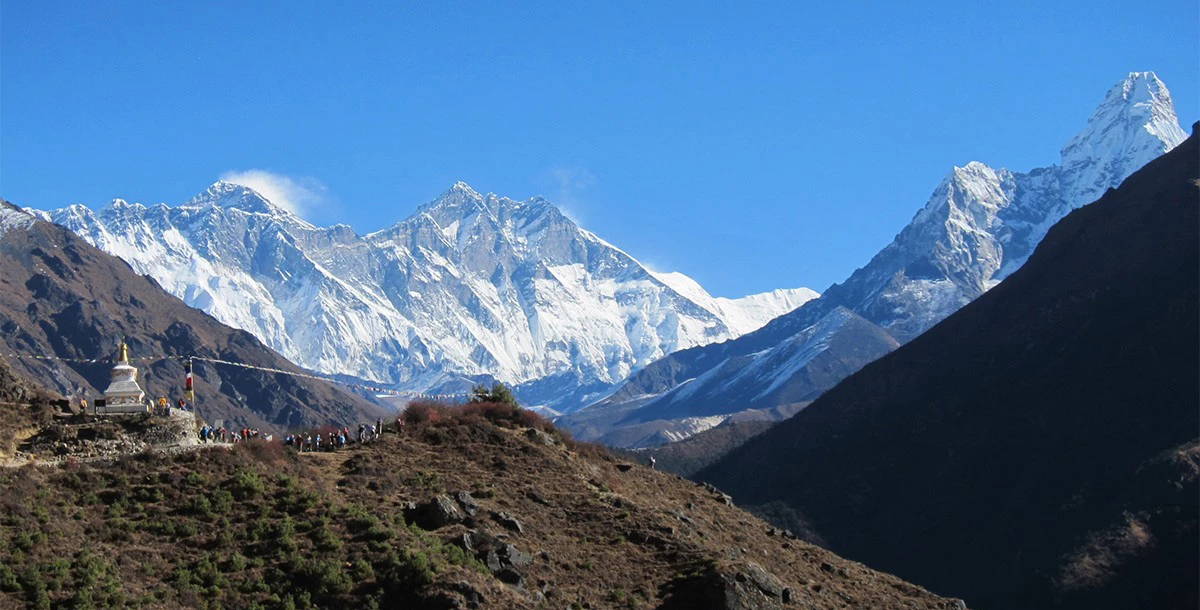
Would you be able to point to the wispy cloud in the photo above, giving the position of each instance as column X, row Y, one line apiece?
column 570, row 185
column 298, row 195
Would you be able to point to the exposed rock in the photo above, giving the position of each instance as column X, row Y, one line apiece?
column 733, row 586
column 504, row 560
column 538, row 436
column 468, row 503
column 508, row 521
column 435, row 513
column 532, row 494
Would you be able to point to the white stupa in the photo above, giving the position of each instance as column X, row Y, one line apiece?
column 123, row 395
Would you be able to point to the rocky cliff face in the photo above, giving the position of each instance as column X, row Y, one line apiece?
column 979, row 226
column 471, row 287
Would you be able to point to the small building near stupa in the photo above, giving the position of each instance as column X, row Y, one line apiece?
column 123, row 394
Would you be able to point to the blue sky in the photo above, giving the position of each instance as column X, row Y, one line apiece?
column 749, row 145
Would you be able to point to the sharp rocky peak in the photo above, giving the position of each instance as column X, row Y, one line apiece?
column 461, row 201
column 1134, row 124
column 229, row 195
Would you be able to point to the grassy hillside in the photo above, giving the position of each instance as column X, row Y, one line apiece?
column 562, row 525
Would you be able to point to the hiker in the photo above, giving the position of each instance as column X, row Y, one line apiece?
column 379, row 427
column 652, row 461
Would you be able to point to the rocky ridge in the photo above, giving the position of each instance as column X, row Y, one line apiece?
column 979, row 226
column 470, row 288
column 1052, row 423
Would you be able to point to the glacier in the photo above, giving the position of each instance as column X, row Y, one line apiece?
column 470, row 288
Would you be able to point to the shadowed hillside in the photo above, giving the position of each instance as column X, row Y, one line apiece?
column 62, row 298
column 1037, row 449
column 688, row 456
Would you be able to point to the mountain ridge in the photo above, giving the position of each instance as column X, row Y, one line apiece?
column 64, row 304
column 469, row 288
column 978, row 226
column 1052, row 423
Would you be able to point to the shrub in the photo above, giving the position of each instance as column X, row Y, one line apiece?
column 361, row 570
column 424, row 413
column 324, row 578
column 247, row 485
column 8, row 579
column 498, row 394
column 199, row 506
column 400, row 576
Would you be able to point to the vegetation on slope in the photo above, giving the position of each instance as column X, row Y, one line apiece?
column 260, row 526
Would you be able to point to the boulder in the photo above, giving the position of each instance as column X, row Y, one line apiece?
column 502, row 559
column 731, row 586
column 468, row 503
column 508, row 521
column 540, row 437
column 434, row 513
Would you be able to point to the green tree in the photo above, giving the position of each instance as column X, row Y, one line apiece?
column 498, row 393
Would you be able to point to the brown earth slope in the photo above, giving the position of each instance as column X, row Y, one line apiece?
column 1037, row 449
column 23, row 408
column 61, row 297
column 555, row 525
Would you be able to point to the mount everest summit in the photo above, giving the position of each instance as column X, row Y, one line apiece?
column 469, row 288
column 980, row 225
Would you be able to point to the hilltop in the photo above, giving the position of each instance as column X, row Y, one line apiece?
column 483, row 508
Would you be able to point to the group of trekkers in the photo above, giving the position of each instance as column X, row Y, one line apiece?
column 209, row 434
column 162, row 407
column 334, row 439
column 325, row 439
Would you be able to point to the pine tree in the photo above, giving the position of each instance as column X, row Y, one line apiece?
column 498, row 393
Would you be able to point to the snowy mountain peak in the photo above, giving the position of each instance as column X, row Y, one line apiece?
column 472, row 287
column 231, row 196
column 462, row 187
column 1134, row 124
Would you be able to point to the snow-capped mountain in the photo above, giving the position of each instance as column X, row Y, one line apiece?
column 981, row 223
column 471, row 287
column 979, row 226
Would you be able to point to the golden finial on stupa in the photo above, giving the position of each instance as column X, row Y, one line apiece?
column 124, row 351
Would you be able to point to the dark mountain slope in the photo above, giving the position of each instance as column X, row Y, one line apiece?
column 1037, row 448
column 695, row 452
column 61, row 297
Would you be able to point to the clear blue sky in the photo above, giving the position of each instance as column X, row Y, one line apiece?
column 750, row 145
